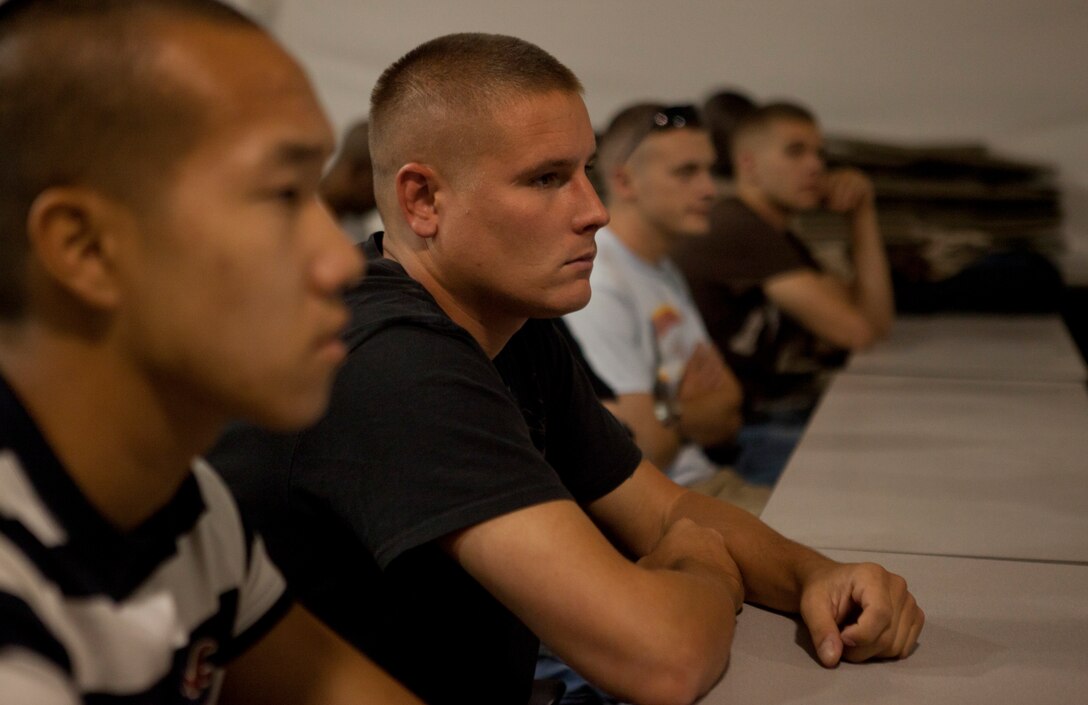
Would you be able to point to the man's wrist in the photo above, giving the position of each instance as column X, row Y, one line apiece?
column 865, row 209
column 808, row 566
column 667, row 412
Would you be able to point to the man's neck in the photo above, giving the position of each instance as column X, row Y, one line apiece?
column 109, row 431
column 644, row 239
column 491, row 332
column 763, row 207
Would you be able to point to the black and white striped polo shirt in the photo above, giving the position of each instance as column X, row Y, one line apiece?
column 90, row 614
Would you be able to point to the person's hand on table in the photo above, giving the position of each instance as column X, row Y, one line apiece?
column 879, row 616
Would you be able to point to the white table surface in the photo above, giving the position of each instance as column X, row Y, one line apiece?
column 1035, row 348
column 944, row 467
column 996, row 632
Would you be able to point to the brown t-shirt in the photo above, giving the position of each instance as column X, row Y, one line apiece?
column 774, row 357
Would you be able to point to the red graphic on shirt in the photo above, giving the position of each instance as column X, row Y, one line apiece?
column 199, row 669
column 665, row 318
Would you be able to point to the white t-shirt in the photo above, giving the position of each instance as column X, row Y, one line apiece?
column 359, row 228
column 638, row 332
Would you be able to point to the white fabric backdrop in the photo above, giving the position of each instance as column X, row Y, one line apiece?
column 1006, row 72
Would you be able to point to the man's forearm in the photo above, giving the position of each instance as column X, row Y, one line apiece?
column 711, row 418
column 660, row 632
column 872, row 286
column 774, row 568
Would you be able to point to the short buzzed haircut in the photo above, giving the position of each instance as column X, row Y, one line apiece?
column 759, row 119
column 627, row 130
column 722, row 112
column 622, row 136
column 422, row 102
column 81, row 104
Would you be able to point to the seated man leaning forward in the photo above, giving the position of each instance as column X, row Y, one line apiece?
column 467, row 494
column 167, row 266
column 641, row 330
column 775, row 314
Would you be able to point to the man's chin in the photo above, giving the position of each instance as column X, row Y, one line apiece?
column 295, row 416
column 698, row 230
column 806, row 202
column 564, row 306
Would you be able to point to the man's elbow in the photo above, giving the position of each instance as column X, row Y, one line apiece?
column 733, row 424
column 679, row 664
column 854, row 336
column 679, row 678
column 661, row 448
column 884, row 328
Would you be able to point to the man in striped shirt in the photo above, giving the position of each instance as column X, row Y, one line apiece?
column 165, row 266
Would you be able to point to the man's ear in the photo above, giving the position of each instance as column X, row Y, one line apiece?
column 70, row 231
column 417, row 189
column 620, row 186
column 743, row 162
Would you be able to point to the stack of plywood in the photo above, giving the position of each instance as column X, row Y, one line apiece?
column 943, row 208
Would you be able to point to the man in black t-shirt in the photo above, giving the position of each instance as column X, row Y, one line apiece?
column 466, row 494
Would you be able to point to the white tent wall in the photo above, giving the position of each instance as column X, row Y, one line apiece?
column 1008, row 73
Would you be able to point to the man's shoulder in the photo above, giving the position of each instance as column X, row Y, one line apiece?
column 740, row 249
column 731, row 214
column 389, row 298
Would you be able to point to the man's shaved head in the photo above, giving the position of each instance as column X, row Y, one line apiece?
column 756, row 121
column 436, row 103
column 618, row 141
column 84, row 101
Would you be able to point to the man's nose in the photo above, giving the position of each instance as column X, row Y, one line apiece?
column 339, row 264
column 592, row 215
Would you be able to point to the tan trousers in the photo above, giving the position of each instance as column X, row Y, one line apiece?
column 728, row 485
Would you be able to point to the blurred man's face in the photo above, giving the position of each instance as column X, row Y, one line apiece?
column 348, row 186
column 787, row 164
column 516, row 236
column 231, row 279
column 670, row 181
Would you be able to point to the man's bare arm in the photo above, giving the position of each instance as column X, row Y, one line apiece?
column 302, row 662
column 777, row 572
column 822, row 304
column 787, row 576
column 707, row 409
column 851, row 192
column 655, row 631
column 709, row 399
column 853, row 314
column 658, row 441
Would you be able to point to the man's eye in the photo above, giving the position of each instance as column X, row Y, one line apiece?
column 291, row 195
column 549, row 179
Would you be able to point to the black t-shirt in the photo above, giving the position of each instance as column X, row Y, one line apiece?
column 772, row 355
column 425, row 436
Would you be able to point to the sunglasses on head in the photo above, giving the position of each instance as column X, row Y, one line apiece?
column 676, row 116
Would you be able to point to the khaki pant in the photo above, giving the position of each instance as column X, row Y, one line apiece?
column 726, row 484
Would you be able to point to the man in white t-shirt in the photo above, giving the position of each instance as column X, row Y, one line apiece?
column 641, row 331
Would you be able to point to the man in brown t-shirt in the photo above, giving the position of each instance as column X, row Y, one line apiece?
column 765, row 300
